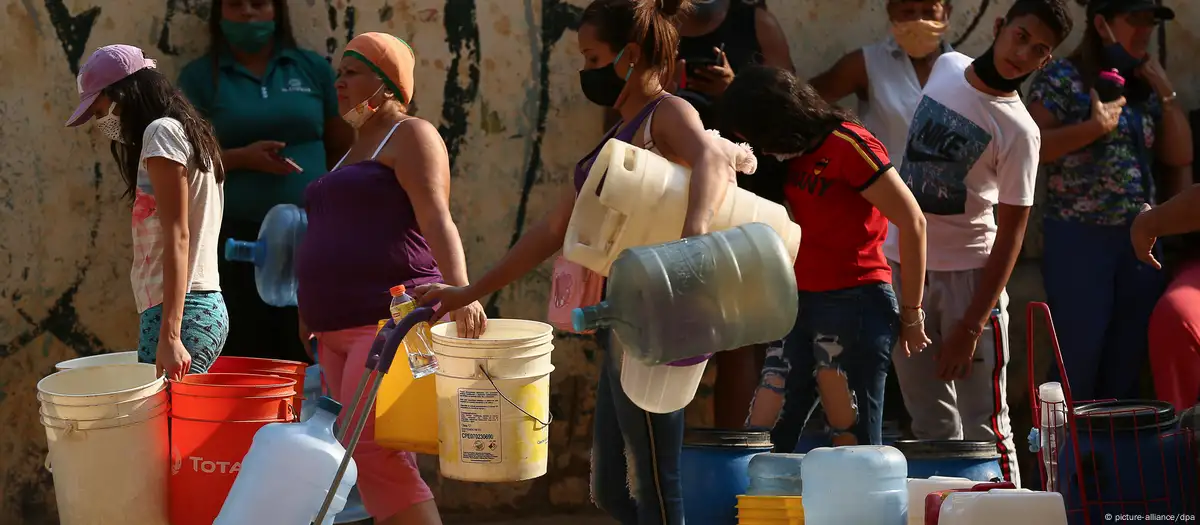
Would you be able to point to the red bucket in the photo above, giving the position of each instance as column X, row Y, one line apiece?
column 206, row 457
column 233, row 397
column 271, row 367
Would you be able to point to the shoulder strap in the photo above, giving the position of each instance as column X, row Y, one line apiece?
column 647, row 138
column 378, row 148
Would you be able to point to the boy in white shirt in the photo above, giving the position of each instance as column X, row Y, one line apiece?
column 972, row 146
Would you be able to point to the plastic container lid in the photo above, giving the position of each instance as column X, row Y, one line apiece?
column 397, row 290
column 327, row 404
column 1113, row 76
column 1051, row 392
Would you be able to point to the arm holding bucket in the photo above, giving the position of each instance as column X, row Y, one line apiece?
column 540, row 241
column 680, row 135
column 168, row 178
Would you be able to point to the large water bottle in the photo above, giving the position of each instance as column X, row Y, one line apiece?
column 860, row 484
column 286, row 474
column 697, row 296
column 273, row 254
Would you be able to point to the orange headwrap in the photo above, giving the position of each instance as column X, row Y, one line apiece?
column 389, row 57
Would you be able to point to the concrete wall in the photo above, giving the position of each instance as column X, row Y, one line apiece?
column 499, row 79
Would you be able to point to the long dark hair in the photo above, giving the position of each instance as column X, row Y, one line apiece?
column 144, row 97
column 284, row 38
column 776, row 112
column 649, row 23
column 1088, row 59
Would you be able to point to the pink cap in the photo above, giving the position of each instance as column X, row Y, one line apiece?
column 105, row 67
column 1113, row 76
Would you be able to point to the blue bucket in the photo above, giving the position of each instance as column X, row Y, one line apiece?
column 973, row 460
column 1134, row 460
column 715, row 471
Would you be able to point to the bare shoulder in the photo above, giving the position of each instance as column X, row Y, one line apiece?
column 415, row 136
column 675, row 110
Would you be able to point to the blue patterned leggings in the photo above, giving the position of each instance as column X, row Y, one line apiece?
column 205, row 328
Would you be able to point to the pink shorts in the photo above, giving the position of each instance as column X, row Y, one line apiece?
column 388, row 480
column 1175, row 340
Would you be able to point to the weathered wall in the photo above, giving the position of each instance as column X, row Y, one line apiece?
column 499, row 79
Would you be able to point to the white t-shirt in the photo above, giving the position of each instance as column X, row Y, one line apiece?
column 966, row 151
column 206, row 202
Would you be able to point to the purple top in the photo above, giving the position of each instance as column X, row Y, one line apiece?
column 621, row 131
column 624, row 132
column 362, row 239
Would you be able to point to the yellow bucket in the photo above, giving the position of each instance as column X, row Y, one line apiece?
column 406, row 409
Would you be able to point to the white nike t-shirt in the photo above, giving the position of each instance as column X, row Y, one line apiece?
column 966, row 151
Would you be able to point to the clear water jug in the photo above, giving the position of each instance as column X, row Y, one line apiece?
column 1009, row 506
column 274, row 253
column 697, row 296
column 776, row 475
column 861, row 484
column 643, row 201
column 286, row 474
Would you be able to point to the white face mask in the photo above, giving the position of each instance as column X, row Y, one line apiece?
column 784, row 157
column 362, row 112
column 110, row 125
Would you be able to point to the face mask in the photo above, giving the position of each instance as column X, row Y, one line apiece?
column 919, row 38
column 602, row 85
column 362, row 112
column 985, row 69
column 1118, row 58
column 110, row 125
column 784, row 157
column 248, row 36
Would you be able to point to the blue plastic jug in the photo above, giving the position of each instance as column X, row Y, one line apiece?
column 274, row 253
column 864, row 484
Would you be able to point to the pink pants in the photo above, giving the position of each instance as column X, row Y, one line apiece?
column 388, row 480
column 1175, row 340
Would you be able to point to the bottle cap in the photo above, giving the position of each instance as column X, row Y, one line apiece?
column 1113, row 76
column 397, row 290
column 327, row 404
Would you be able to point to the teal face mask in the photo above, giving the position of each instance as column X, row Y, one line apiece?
column 248, row 36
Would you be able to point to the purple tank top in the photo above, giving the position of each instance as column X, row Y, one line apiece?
column 362, row 239
column 621, row 131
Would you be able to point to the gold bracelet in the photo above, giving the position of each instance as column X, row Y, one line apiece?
column 1169, row 98
column 919, row 321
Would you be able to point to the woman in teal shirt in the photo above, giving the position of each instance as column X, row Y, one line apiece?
column 274, row 109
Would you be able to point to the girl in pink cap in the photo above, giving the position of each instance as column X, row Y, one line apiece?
column 170, row 162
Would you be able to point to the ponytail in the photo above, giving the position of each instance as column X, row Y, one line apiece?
column 649, row 23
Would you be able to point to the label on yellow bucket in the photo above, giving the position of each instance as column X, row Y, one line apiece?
column 479, row 426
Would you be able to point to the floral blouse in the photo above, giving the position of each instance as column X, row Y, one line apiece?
column 1101, row 183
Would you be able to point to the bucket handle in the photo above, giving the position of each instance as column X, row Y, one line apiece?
column 518, row 407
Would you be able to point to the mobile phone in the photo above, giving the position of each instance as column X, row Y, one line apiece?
column 696, row 63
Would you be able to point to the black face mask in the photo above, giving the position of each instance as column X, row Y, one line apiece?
column 985, row 69
column 602, row 85
column 1116, row 57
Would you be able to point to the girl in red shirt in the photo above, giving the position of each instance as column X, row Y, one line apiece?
column 842, row 190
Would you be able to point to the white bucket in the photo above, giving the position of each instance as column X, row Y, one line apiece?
column 660, row 389
column 103, row 411
column 116, row 358
column 100, row 385
column 110, row 470
column 494, row 409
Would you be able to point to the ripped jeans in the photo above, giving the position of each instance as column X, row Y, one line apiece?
column 852, row 331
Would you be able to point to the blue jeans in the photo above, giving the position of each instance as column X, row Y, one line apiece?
column 203, row 332
column 853, row 329
column 649, row 491
column 1101, row 297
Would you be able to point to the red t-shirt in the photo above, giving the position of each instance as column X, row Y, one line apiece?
column 841, row 245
